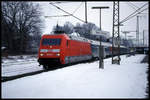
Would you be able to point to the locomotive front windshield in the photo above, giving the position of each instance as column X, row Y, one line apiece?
column 55, row 41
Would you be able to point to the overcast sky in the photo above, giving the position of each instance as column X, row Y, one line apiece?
column 126, row 8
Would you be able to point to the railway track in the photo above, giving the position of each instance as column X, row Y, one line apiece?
column 5, row 79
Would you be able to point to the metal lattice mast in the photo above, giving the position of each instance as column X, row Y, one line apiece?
column 115, row 34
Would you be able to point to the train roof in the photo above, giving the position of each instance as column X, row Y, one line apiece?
column 79, row 38
column 68, row 36
column 55, row 35
column 103, row 43
column 98, row 43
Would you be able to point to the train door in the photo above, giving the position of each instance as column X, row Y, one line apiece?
column 67, row 52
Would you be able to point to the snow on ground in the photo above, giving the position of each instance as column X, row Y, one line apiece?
column 17, row 59
column 86, row 80
column 16, row 65
column 21, row 68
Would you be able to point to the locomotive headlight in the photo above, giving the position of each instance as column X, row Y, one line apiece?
column 43, row 50
column 41, row 54
column 58, row 54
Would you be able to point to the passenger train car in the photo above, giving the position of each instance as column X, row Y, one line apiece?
column 65, row 49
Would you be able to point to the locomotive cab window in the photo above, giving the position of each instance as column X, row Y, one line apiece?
column 56, row 41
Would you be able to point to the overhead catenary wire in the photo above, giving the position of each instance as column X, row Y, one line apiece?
column 58, row 16
column 128, row 3
column 134, row 5
column 132, row 15
column 65, row 15
column 60, row 2
column 67, row 12
column 77, row 8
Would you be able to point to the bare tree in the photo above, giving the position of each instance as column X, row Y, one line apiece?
column 8, row 22
column 23, row 21
column 85, row 29
column 68, row 28
column 58, row 29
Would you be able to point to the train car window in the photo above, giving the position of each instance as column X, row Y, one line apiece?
column 51, row 41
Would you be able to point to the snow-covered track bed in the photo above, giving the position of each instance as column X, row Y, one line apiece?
column 17, row 63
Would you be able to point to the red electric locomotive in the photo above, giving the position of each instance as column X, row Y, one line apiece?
column 63, row 49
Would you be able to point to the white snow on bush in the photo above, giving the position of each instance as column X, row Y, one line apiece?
column 86, row 80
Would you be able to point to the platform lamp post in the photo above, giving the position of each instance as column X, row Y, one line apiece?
column 101, row 48
column 100, row 13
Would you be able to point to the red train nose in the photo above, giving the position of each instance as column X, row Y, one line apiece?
column 49, row 53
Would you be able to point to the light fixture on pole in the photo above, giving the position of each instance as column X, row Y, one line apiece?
column 100, row 13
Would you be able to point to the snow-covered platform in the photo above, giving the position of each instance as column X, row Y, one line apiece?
column 86, row 80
